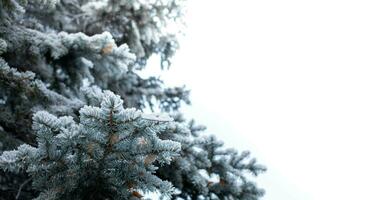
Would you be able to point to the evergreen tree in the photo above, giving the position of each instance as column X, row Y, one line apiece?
column 71, row 107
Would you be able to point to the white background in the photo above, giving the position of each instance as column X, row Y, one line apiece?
column 299, row 83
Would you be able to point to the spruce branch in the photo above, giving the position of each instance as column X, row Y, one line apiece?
column 67, row 160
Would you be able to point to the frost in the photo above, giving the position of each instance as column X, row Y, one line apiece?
column 157, row 117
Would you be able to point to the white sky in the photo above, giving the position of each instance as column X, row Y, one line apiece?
column 302, row 84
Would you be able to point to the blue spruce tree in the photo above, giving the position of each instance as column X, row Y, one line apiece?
column 72, row 124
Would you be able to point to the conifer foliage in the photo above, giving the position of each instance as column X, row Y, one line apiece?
column 72, row 103
column 109, row 154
